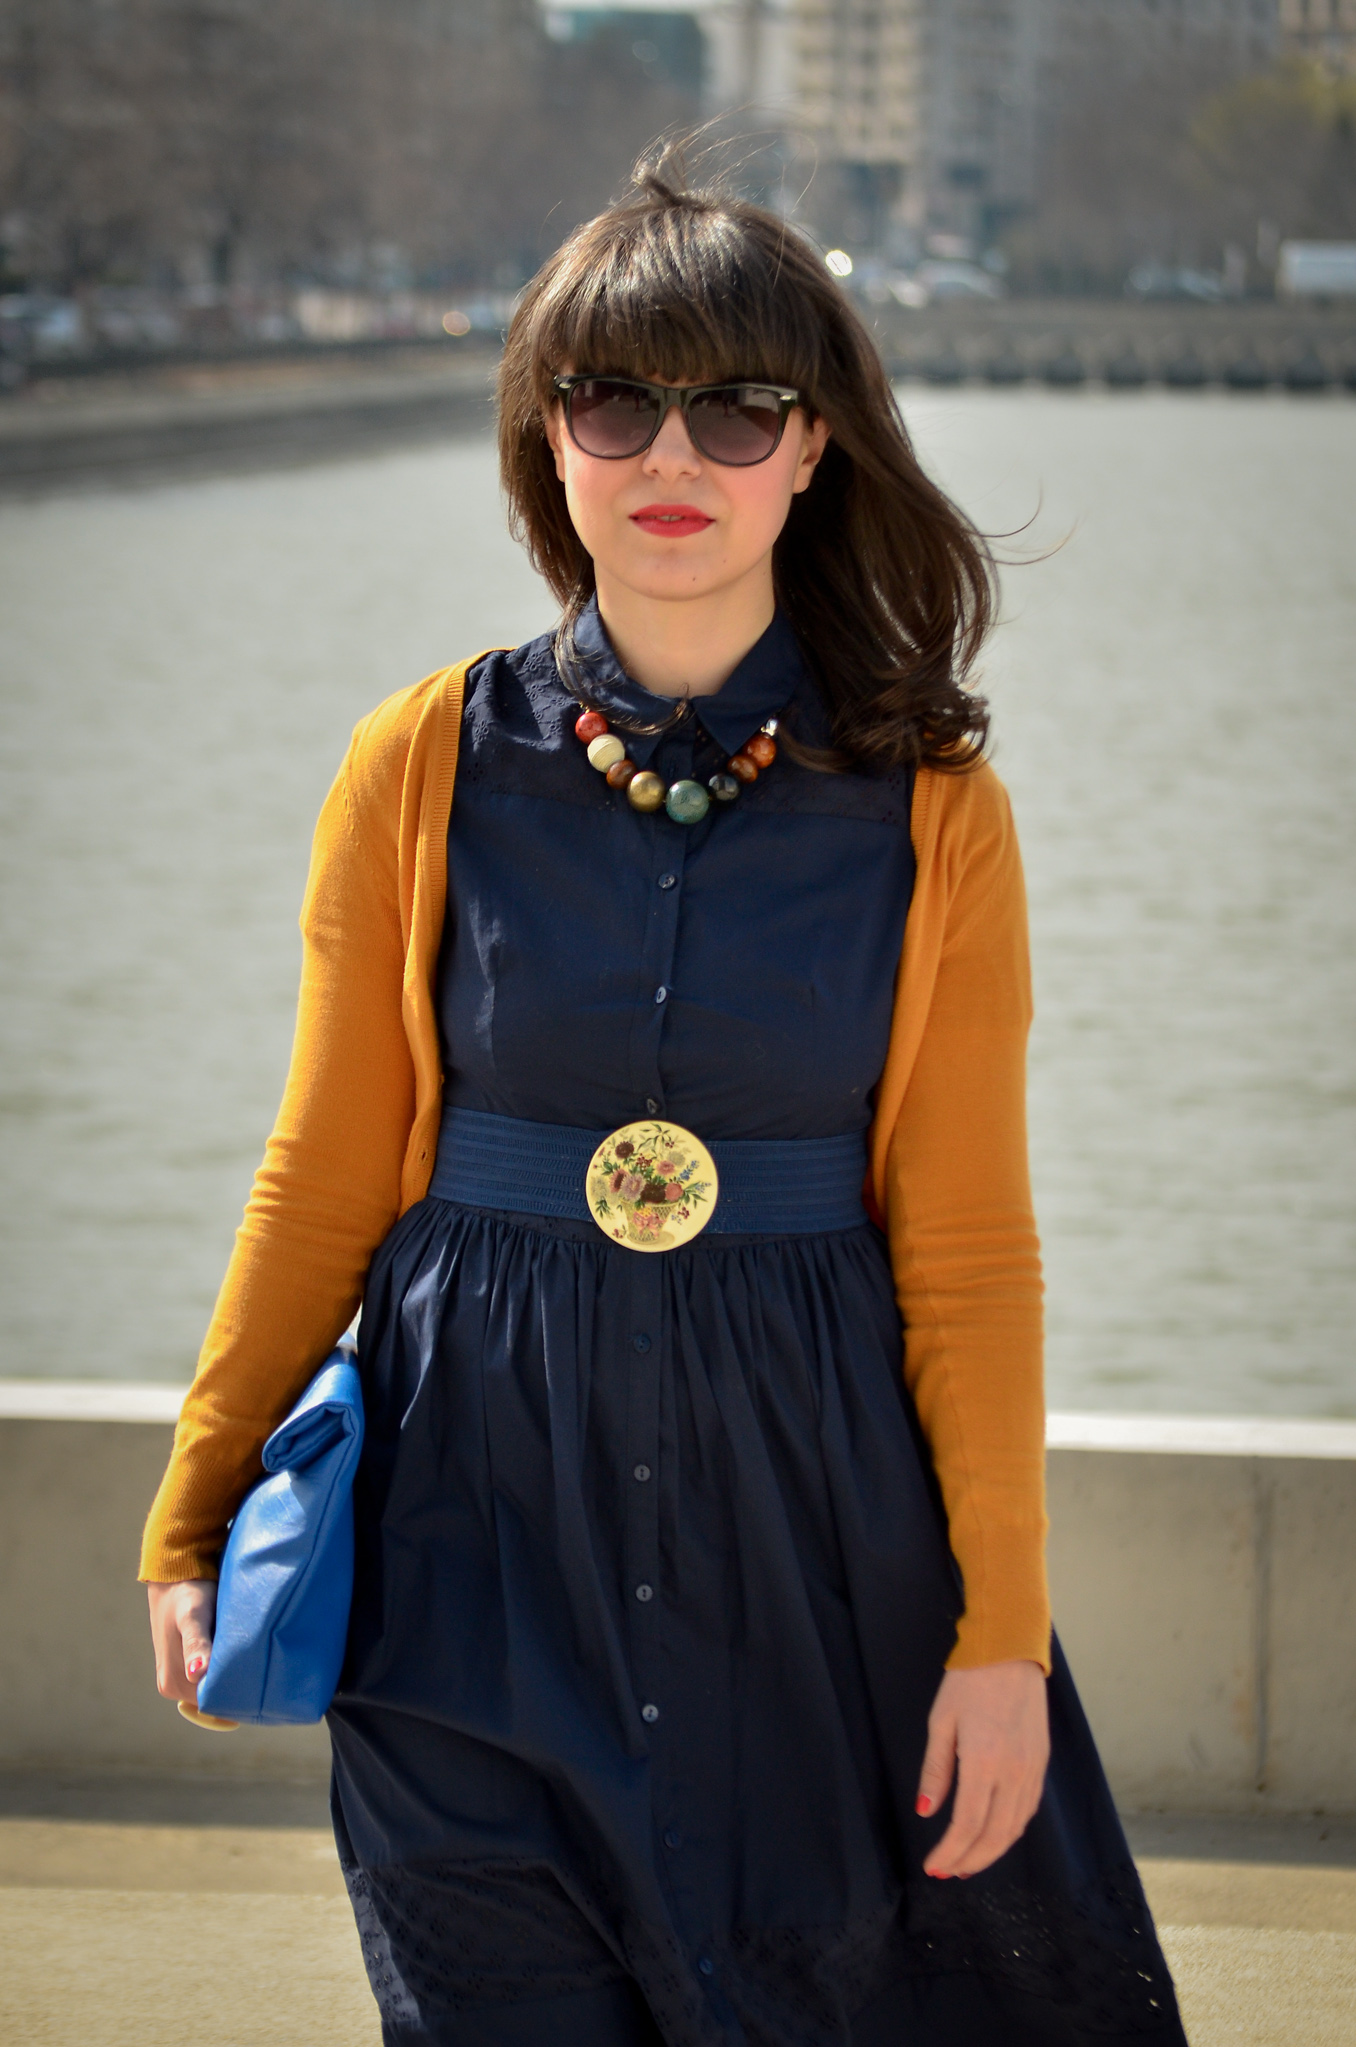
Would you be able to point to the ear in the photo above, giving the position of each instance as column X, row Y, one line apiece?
column 813, row 446
column 554, row 423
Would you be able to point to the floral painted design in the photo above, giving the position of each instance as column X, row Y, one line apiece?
column 651, row 1186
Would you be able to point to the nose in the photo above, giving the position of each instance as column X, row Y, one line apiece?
column 672, row 449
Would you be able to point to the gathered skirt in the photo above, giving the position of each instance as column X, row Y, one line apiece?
column 653, row 1598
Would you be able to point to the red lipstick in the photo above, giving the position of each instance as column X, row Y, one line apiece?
column 671, row 522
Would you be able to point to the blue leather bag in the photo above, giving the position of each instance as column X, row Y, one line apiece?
column 287, row 1569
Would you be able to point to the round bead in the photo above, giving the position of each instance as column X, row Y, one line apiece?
column 645, row 791
column 687, row 802
column 724, row 788
column 746, row 769
column 620, row 773
column 605, row 751
column 762, row 748
column 589, row 725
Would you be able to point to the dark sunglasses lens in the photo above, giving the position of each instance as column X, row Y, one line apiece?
column 737, row 424
column 610, row 418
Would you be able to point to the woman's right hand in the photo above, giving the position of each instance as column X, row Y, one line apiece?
column 183, row 1619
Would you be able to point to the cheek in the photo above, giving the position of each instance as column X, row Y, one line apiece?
column 591, row 489
column 760, row 499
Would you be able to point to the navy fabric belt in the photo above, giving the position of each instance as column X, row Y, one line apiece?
column 781, row 1187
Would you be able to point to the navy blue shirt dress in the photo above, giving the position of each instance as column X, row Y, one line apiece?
column 653, row 1588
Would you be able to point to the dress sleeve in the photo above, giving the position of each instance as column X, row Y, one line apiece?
column 962, row 1233
column 329, row 1186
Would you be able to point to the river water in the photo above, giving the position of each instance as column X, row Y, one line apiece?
column 1175, row 713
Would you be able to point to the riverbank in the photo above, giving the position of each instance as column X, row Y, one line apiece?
column 153, row 423
column 147, row 422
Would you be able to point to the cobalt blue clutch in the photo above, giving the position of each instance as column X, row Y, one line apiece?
column 287, row 1569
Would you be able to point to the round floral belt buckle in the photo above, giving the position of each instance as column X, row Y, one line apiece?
column 651, row 1186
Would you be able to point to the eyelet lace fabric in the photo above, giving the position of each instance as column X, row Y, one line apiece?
column 454, row 1937
column 1096, row 1957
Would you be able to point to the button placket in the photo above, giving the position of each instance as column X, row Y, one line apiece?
column 668, row 844
column 647, row 1353
column 644, row 1354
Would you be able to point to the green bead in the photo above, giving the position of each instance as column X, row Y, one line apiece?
column 686, row 802
column 724, row 788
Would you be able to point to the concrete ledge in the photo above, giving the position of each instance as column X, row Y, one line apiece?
column 1204, row 1577
column 1198, row 1435
column 88, row 1400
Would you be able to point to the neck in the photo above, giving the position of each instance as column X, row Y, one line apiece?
column 685, row 647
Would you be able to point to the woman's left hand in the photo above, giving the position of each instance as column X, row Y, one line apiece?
column 993, row 1723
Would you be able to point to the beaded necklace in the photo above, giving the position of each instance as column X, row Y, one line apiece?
column 686, row 802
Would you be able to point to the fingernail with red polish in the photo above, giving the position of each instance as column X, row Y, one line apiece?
column 196, row 1666
column 924, row 1805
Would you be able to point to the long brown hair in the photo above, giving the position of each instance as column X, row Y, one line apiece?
column 888, row 586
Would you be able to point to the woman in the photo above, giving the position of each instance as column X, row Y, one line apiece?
column 694, row 1646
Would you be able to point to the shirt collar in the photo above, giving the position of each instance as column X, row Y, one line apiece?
column 760, row 687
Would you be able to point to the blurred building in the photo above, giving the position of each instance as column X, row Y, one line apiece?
column 735, row 53
column 930, row 112
column 1323, row 30
column 667, row 43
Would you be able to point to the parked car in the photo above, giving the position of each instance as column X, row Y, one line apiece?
column 39, row 327
column 1317, row 270
column 956, row 280
column 1166, row 281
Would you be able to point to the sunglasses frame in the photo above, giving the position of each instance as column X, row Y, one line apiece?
column 681, row 396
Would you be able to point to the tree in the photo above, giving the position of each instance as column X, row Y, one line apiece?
column 1281, row 148
column 258, row 140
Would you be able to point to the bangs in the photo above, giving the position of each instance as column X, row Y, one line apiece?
column 680, row 298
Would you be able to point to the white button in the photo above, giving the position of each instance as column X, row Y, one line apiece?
column 644, row 1592
column 650, row 1713
column 661, row 994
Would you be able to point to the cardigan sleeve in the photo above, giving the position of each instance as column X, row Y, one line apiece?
column 963, row 1238
column 329, row 1186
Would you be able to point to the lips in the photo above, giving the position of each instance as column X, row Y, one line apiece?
column 671, row 522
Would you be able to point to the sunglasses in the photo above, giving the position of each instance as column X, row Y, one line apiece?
column 735, row 424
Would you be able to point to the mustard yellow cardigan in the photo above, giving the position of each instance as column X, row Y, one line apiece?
column 355, row 1137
